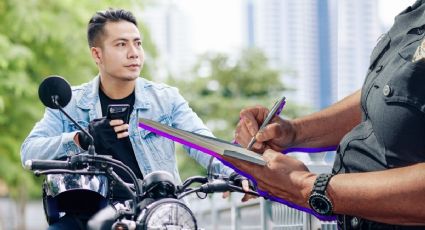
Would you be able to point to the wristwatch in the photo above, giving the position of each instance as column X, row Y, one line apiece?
column 318, row 200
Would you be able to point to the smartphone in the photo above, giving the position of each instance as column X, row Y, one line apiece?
column 118, row 111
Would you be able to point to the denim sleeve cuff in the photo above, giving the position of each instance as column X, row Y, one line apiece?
column 227, row 170
column 71, row 148
column 220, row 168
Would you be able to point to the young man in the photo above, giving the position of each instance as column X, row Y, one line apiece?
column 116, row 48
column 378, row 178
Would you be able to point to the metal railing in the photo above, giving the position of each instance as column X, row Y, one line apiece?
column 217, row 213
column 231, row 214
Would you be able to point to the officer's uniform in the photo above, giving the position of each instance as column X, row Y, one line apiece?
column 392, row 131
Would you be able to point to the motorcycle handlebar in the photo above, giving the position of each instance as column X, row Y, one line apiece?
column 224, row 186
column 214, row 186
column 46, row 164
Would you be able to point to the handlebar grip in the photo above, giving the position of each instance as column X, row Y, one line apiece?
column 216, row 186
column 46, row 164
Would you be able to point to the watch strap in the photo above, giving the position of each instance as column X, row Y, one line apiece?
column 321, row 183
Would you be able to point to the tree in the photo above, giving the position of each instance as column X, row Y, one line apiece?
column 222, row 86
column 37, row 39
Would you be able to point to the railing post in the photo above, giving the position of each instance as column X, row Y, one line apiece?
column 235, row 215
column 307, row 221
column 214, row 213
column 265, row 214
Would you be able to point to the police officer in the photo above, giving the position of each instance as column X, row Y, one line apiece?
column 378, row 178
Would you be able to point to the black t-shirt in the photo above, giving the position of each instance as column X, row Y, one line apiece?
column 122, row 150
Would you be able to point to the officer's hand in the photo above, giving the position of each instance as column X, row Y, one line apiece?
column 278, row 135
column 283, row 176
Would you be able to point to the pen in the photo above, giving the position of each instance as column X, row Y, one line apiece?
column 276, row 109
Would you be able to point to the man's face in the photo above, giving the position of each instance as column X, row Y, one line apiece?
column 120, row 55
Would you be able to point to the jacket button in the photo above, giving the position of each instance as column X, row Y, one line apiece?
column 387, row 90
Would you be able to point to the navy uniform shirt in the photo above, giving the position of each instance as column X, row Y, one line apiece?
column 392, row 130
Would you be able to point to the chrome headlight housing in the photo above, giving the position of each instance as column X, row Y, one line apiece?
column 167, row 214
column 75, row 193
column 57, row 184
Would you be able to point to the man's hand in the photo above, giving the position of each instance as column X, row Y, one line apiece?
column 105, row 132
column 120, row 128
column 278, row 135
column 283, row 176
column 246, row 185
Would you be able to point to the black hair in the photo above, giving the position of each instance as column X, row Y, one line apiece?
column 98, row 21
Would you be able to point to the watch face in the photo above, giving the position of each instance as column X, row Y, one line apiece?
column 320, row 204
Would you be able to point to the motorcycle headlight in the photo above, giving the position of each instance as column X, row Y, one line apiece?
column 167, row 214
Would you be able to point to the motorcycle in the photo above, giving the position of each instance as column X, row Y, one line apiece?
column 156, row 202
column 85, row 183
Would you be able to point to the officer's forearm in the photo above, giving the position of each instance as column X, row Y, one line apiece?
column 393, row 196
column 327, row 127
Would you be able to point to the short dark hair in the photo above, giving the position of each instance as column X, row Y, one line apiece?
column 98, row 21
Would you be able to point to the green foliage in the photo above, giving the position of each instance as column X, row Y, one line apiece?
column 222, row 86
column 187, row 166
column 40, row 38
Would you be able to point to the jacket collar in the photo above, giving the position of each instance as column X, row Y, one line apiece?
column 142, row 99
column 412, row 17
column 90, row 94
column 417, row 4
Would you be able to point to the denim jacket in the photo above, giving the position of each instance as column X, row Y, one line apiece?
column 52, row 136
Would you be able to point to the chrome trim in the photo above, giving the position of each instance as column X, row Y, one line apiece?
column 59, row 183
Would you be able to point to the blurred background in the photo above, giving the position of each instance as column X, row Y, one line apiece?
column 222, row 55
